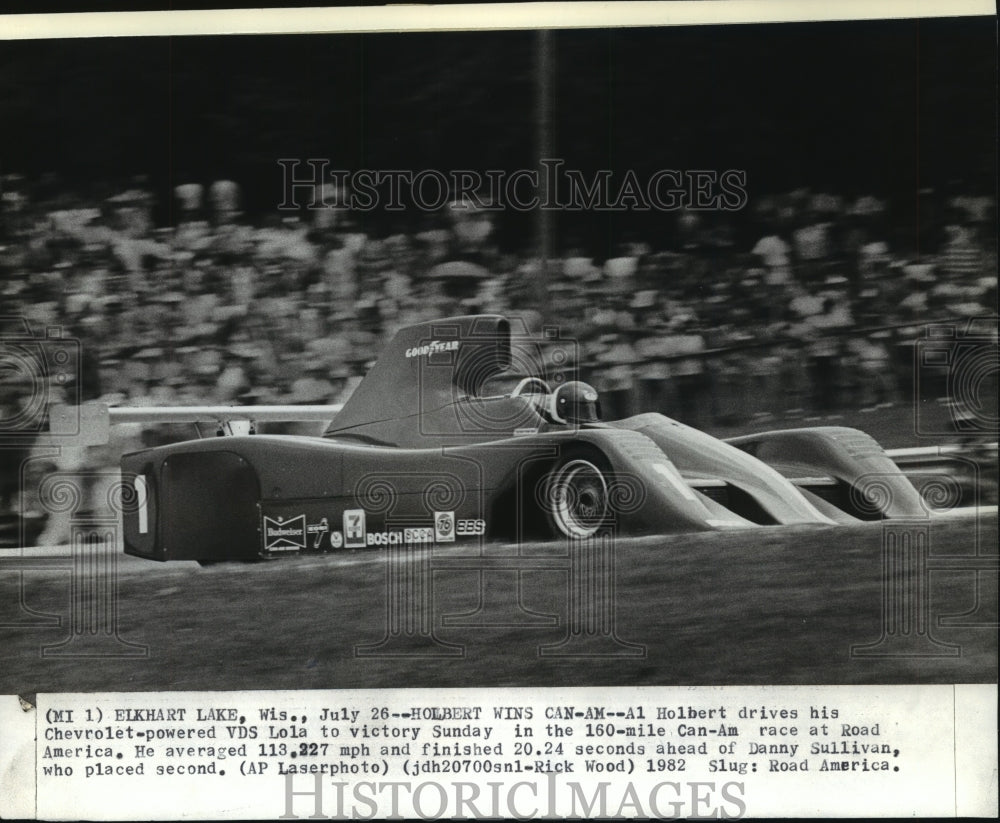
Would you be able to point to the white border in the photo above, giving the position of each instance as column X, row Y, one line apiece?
column 463, row 17
column 17, row 768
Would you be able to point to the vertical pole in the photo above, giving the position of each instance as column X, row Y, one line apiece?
column 544, row 61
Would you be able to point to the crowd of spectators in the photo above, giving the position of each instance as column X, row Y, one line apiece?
column 804, row 304
column 819, row 311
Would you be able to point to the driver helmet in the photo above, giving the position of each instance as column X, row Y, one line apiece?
column 575, row 402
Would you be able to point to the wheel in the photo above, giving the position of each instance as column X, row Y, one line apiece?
column 216, row 561
column 576, row 497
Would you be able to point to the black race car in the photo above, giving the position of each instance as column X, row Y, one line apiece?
column 455, row 435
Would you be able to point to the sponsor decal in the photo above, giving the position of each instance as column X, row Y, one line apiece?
column 354, row 528
column 433, row 348
column 423, row 535
column 444, row 527
column 282, row 535
column 142, row 497
column 470, row 528
column 384, row 538
column 336, row 540
column 317, row 530
column 525, row 431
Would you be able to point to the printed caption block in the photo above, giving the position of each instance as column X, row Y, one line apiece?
column 724, row 752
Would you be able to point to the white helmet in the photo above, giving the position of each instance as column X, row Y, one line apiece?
column 574, row 402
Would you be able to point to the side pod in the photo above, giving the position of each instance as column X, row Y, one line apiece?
column 871, row 485
column 200, row 505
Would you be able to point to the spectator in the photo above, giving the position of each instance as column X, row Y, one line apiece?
column 812, row 245
column 961, row 258
column 687, row 369
column 233, row 312
column 224, row 196
column 775, row 254
column 613, row 357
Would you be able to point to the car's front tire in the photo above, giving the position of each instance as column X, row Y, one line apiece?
column 576, row 495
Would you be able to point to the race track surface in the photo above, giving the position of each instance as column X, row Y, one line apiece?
column 765, row 606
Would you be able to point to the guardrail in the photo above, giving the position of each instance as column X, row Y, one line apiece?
column 972, row 467
column 95, row 420
column 827, row 334
column 92, row 422
column 920, row 454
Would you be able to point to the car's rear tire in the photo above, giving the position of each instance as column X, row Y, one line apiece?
column 216, row 561
column 576, row 495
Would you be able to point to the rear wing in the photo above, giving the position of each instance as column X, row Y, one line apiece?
column 90, row 423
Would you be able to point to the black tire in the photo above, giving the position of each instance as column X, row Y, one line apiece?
column 576, row 496
column 220, row 560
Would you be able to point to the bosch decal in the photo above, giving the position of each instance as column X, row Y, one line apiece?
column 384, row 538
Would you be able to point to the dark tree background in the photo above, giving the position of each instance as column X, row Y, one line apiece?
column 884, row 108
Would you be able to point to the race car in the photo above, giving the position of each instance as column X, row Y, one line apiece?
column 467, row 430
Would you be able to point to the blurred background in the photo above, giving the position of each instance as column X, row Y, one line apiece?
column 140, row 187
